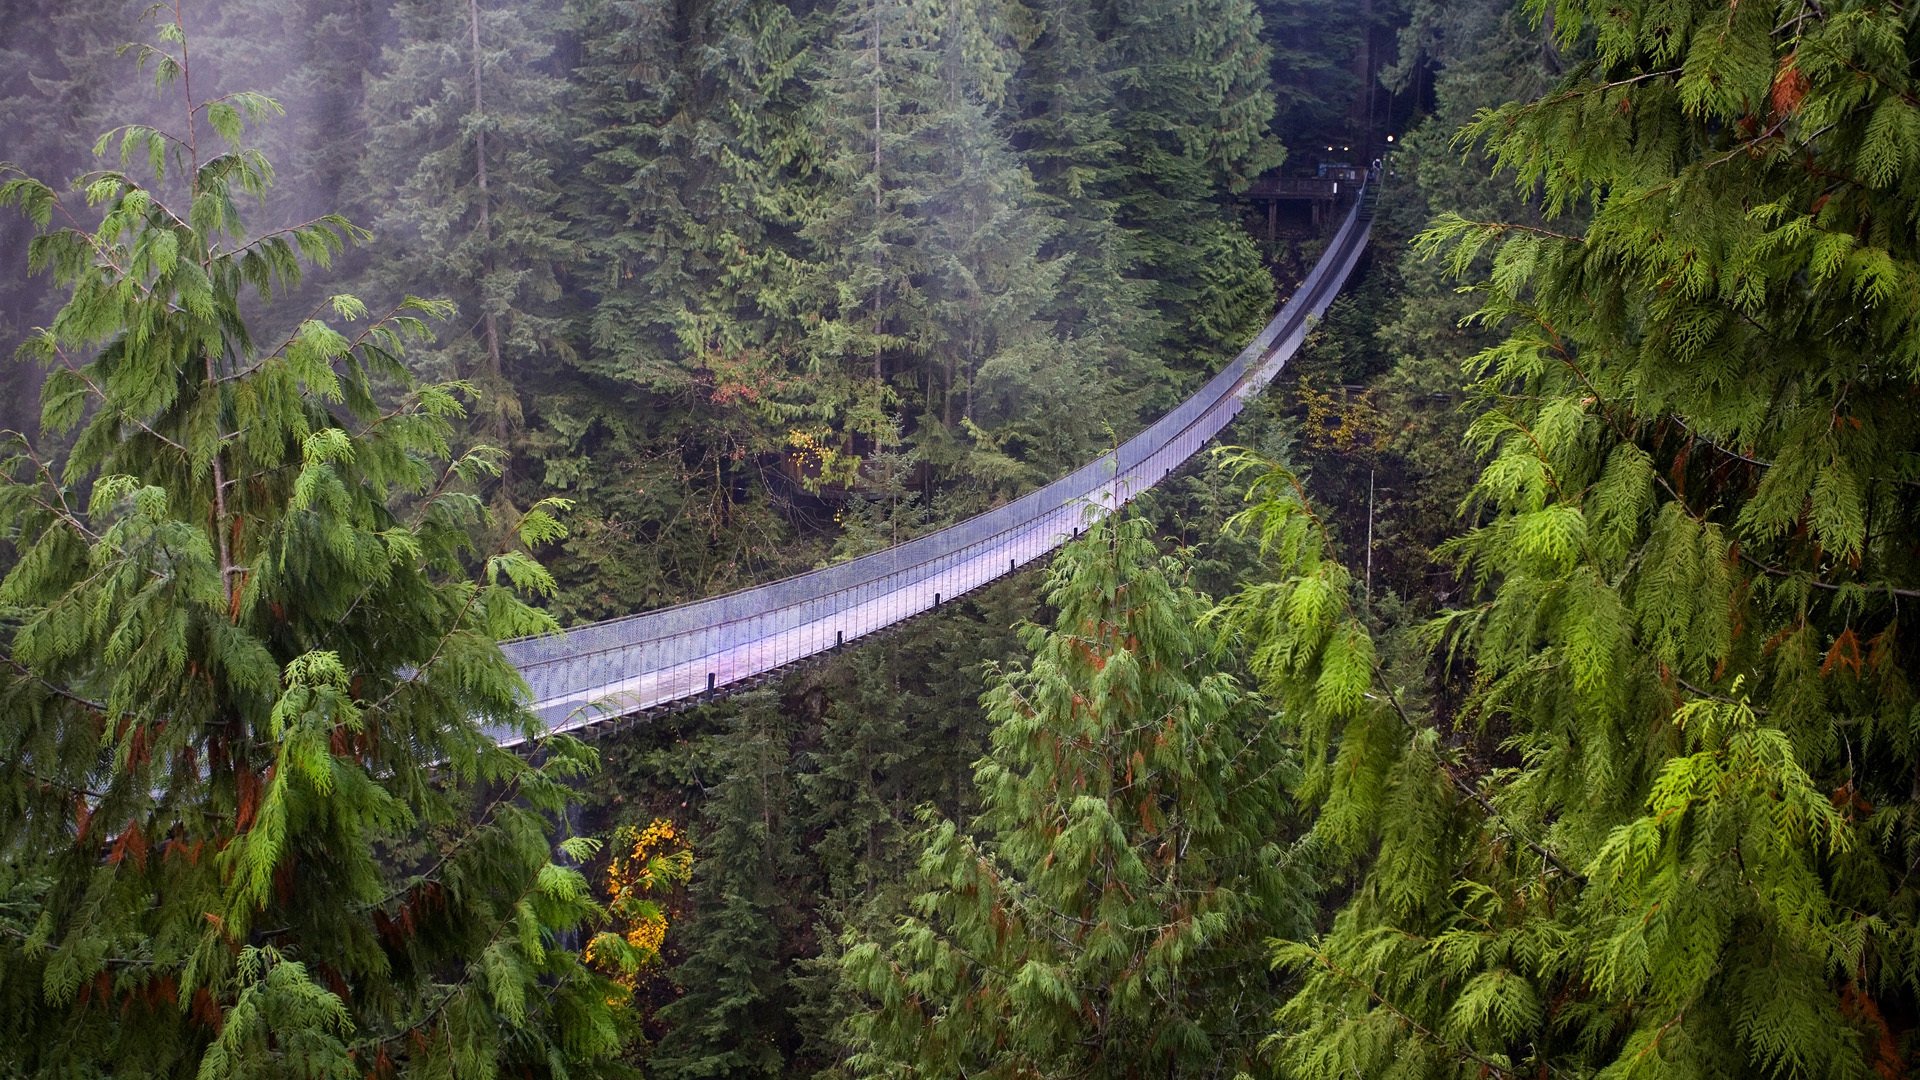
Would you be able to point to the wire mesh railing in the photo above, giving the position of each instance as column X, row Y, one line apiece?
column 600, row 671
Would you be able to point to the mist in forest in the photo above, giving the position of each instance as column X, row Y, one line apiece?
column 711, row 261
column 72, row 71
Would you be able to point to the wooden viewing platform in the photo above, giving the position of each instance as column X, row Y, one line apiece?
column 1324, row 192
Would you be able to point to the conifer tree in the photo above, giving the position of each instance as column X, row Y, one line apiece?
column 311, row 57
column 1065, row 126
column 1107, row 914
column 929, row 268
column 901, row 730
column 55, row 89
column 255, row 816
column 731, row 1020
column 1314, row 45
column 1195, row 102
column 1487, row 54
column 465, row 133
column 694, row 155
column 1670, row 832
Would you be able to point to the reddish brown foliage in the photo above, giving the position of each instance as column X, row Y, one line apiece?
column 1789, row 86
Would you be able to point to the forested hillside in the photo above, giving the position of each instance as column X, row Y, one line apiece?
column 1527, row 697
column 755, row 283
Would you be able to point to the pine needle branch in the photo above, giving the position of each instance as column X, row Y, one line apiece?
column 81, row 374
column 1827, row 586
column 97, row 708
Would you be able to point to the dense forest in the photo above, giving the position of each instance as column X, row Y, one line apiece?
column 1524, row 696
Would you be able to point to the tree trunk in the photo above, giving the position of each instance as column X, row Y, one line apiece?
column 490, row 327
column 879, row 209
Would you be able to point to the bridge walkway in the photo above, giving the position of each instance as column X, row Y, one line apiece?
column 601, row 671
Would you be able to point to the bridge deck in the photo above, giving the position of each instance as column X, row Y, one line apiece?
column 599, row 671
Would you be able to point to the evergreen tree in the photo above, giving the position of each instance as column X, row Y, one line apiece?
column 56, row 92
column 1671, row 831
column 929, row 271
column 1108, row 914
column 465, row 133
column 255, row 817
column 1315, row 45
column 1065, row 127
column 694, row 160
column 731, row 1021
column 1487, row 55
column 1195, row 102
column 900, row 730
column 310, row 56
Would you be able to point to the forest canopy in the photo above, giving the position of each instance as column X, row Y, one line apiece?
column 1526, row 697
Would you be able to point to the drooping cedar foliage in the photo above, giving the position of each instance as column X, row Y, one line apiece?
column 1671, row 832
column 255, row 820
column 1107, row 914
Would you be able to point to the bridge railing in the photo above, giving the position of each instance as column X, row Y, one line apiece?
column 597, row 670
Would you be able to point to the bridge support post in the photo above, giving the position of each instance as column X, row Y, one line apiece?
column 936, row 599
column 711, row 680
column 839, row 638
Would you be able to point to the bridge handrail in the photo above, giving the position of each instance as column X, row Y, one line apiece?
column 543, row 661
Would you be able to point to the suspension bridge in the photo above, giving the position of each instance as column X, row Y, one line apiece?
column 596, row 672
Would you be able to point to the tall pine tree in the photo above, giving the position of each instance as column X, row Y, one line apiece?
column 930, row 269
column 695, row 157
column 1195, row 103
column 465, row 135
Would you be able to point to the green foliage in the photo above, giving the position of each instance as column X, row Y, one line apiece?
column 1107, row 915
column 254, row 817
column 1317, row 84
column 728, row 1021
column 1194, row 105
column 931, row 277
column 461, row 164
column 802, row 800
column 692, row 169
column 1665, row 827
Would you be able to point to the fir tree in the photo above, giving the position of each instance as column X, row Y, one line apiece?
column 57, row 90
column 255, row 817
column 731, row 1021
column 465, row 132
column 930, row 272
column 1195, row 103
column 1066, row 127
column 1315, row 44
column 1107, row 915
column 695, row 157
